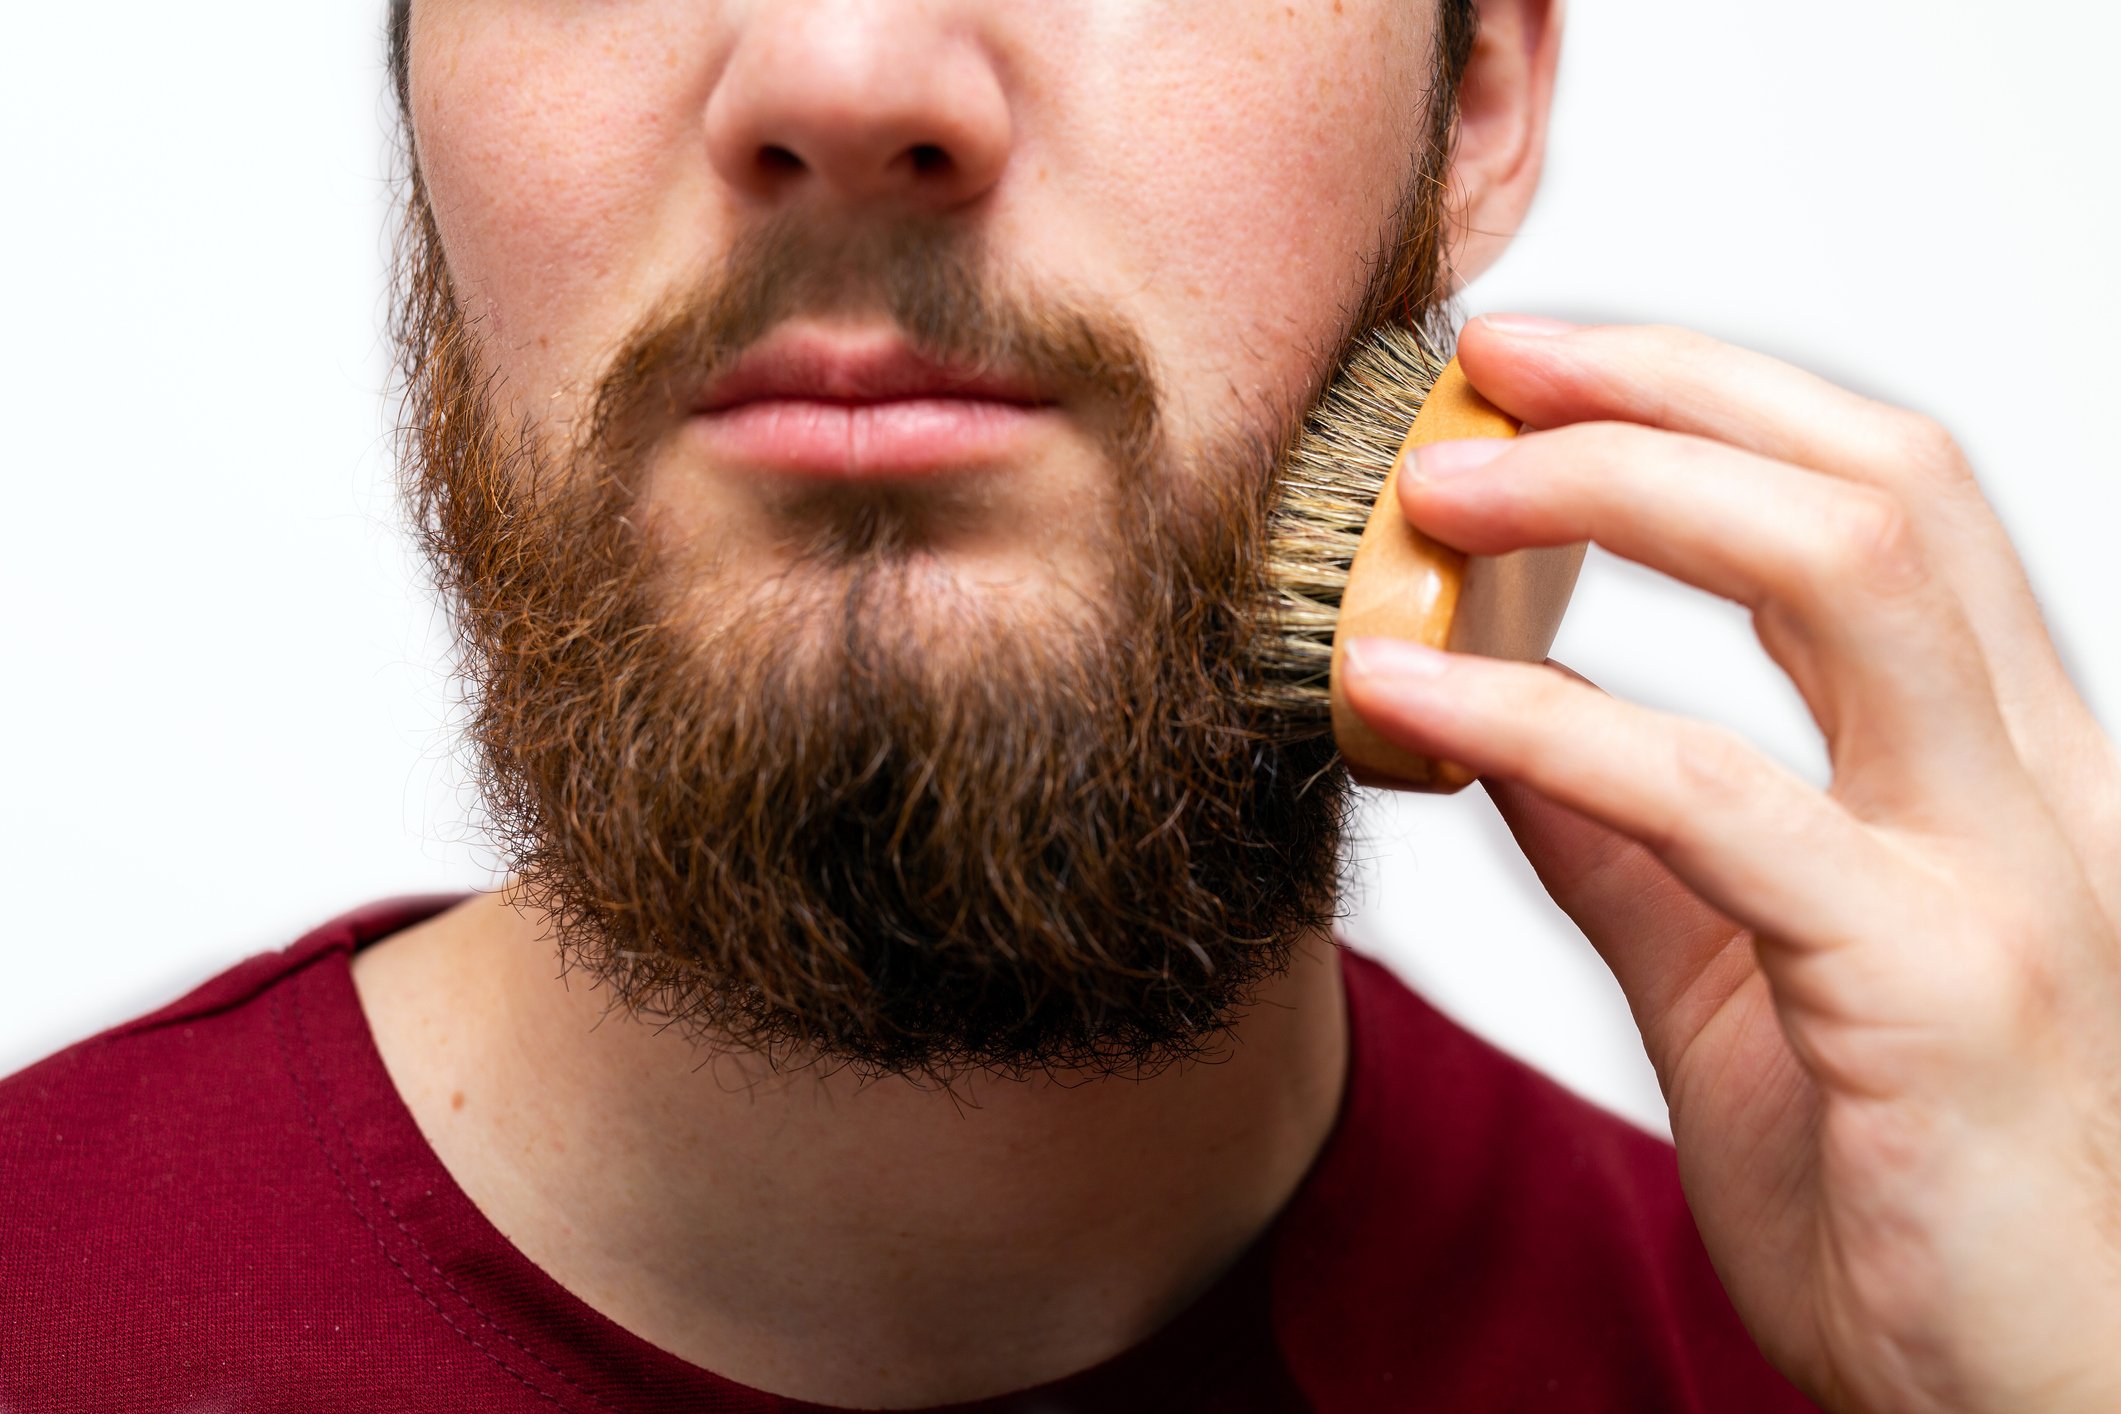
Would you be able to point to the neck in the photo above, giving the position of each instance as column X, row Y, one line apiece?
column 871, row 1243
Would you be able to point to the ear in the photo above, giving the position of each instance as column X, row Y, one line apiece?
column 1503, row 102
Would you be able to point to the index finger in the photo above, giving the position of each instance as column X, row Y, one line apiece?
column 1551, row 375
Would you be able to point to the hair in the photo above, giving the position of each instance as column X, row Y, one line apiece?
column 1085, row 854
column 887, row 826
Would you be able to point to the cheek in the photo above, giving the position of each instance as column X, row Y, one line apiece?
column 1222, row 169
column 545, row 193
column 1243, row 179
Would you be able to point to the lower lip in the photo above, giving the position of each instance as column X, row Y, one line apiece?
column 899, row 439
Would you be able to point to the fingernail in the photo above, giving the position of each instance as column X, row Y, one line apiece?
column 1439, row 461
column 1536, row 326
column 1392, row 659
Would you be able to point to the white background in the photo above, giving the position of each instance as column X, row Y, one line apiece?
column 225, row 714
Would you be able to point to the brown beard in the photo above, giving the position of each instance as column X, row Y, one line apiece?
column 845, row 814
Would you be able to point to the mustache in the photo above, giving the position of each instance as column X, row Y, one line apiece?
column 935, row 283
column 776, row 814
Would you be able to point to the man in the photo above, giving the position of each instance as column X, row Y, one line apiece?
column 844, row 433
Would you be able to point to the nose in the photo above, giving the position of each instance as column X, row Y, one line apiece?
column 862, row 102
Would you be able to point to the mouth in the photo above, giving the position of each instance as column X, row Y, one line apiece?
column 835, row 405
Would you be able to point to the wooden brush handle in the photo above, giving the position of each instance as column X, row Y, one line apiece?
column 1403, row 584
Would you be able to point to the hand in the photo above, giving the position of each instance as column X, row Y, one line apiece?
column 1886, row 1016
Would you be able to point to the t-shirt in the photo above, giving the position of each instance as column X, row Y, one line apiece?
column 224, row 1205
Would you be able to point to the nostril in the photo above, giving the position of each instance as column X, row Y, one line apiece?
column 928, row 158
column 775, row 160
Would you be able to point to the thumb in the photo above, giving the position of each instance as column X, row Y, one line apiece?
column 1655, row 934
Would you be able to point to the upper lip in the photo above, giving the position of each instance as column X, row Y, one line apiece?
column 819, row 367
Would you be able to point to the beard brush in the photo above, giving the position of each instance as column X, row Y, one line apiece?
column 1342, row 562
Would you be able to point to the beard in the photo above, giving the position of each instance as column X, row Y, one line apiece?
column 852, row 812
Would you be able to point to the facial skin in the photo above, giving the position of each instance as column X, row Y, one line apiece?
column 803, row 724
column 1096, row 150
column 1213, row 185
column 1113, row 149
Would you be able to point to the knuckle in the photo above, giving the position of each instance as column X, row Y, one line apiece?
column 1656, row 352
column 1711, row 756
column 1912, row 455
column 1715, row 768
column 1993, row 963
column 2008, row 988
column 1924, row 446
column 1869, row 543
column 1585, row 457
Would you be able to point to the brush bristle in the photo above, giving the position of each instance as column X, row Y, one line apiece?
column 1329, row 485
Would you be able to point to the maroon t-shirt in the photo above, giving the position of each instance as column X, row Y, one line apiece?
column 224, row 1205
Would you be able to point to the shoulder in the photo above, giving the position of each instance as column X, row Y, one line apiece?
column 148, row 1172
column 1477, row 1232
column 164, row 1073
column 142, row 1086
